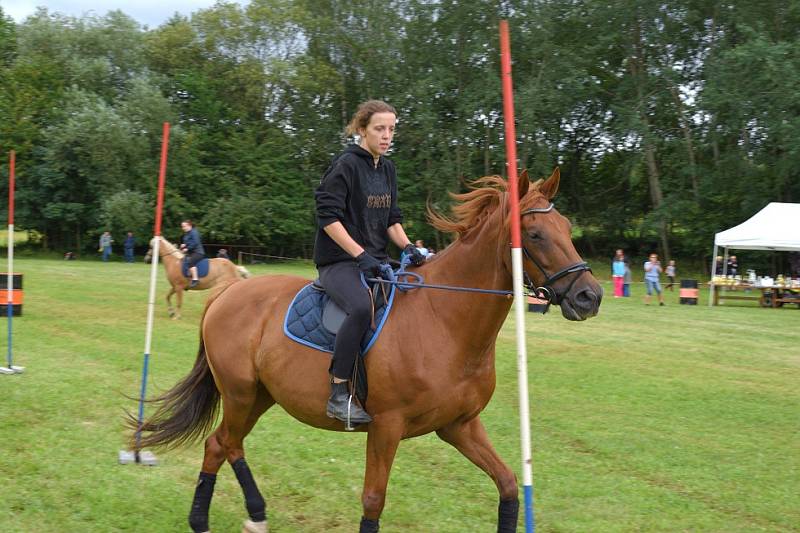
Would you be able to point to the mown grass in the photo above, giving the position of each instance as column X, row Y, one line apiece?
column 675, row 418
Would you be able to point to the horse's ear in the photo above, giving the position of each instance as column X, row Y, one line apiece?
column 522, row 183
column 550, row 186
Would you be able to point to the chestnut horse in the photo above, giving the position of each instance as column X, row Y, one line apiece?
column 432, row 369
column 220, row 271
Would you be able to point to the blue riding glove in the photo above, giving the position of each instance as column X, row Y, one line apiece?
column 370, row 266
column 412, row 252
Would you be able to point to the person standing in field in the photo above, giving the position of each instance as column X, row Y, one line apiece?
column 670, row 272
column 627, row 280
column 128, row 245
column 733, row 266
column 618, row 273
column 357, row 216
column 652, row 272
column 718, row 265
column 105, row 244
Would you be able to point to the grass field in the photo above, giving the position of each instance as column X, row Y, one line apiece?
column 676, row 418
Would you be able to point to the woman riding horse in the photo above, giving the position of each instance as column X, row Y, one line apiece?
column 357, row 215
column 247, row 364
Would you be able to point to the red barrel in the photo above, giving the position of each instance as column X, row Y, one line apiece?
column 689, row 292
column 16, row 294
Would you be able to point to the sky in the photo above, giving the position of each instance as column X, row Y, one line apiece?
column 148, row 12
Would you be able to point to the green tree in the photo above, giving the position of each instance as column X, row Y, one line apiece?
column 126, row 211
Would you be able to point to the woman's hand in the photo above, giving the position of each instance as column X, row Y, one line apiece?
column 370, row 266
column 416, row 256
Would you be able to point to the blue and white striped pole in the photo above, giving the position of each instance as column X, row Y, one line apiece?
column 516, row 266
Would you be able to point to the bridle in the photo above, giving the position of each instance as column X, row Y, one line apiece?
column 546, row 291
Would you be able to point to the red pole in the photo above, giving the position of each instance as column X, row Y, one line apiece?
column 517, row 274
column 138, row 455
column 162, row 174
column 11, row 170
column 511, row 135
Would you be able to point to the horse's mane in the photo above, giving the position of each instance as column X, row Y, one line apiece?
column 171, row 248
column 474, row 206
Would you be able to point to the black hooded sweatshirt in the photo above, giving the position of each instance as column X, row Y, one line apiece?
column 363, row 198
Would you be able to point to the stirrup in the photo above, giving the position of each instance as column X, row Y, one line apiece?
column 347, row 417
column 348, row 426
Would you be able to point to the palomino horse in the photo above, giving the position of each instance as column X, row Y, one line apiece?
column 432, row 369
column 219, row 271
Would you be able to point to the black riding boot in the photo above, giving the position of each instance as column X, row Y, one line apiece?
column 340, row 403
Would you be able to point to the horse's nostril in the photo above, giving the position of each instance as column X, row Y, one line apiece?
column 587, row 298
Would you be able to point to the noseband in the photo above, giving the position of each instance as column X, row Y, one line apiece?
column 546, row 291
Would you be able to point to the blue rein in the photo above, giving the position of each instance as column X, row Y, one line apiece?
column 545, row 292
column 392, row 277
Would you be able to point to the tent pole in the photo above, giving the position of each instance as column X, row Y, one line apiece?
column 725, row 263
column 713, row 273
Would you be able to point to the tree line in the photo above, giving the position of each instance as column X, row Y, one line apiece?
column 669, row 120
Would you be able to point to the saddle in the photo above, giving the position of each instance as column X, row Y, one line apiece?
column 333, row 315
column 313, row 319
column 202, row 268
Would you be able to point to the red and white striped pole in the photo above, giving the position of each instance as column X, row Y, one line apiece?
column 138, row 456
column 10, row 368
column 516, row 264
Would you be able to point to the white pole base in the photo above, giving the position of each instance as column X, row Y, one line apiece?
column 13, row 369
column 144, row 458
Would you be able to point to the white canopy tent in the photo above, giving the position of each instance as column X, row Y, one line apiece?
column 776, row 227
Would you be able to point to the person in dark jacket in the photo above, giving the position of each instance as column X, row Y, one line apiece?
column 128, row 245
column 193, row 248
column 357, row 216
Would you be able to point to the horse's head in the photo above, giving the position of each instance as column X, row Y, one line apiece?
column 164, row 248
column 551, row 264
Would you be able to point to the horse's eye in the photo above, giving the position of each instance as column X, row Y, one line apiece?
column 534, row 236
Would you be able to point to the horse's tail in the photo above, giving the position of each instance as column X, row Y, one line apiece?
column 243, row 272
column 187, row 411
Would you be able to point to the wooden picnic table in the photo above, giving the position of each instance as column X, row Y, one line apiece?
column 766, row 296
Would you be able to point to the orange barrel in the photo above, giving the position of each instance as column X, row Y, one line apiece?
column 536, row 305
column 689, row 291
column 16, row 294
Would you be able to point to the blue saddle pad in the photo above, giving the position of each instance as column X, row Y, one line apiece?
column 303, row 322
column 202, row 268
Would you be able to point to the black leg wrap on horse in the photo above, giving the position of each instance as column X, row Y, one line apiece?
column 507, row 514
column 256, row 507
column 198, row 516
column 369, row 526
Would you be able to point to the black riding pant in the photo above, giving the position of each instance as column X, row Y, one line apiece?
column 342, row 282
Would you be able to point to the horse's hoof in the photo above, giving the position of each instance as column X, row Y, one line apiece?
column 254, row 527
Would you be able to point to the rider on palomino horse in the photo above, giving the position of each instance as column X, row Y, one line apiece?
column 357, row 215
column 193, row 248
